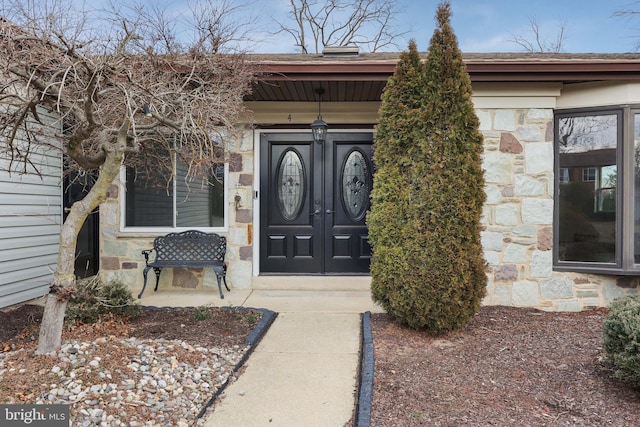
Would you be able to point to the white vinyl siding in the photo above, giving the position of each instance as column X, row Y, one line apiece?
column 30, row 218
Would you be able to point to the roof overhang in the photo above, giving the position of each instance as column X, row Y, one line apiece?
column 362, row 78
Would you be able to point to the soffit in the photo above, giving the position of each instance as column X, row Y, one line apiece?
column 362, row 78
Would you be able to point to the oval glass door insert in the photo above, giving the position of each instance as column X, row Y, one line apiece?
column 356, row 185
column 290, row 185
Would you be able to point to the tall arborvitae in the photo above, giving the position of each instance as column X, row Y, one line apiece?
column 394, row 145
column 435, row 278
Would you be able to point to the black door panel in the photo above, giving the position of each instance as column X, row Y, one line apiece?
column 312, row 212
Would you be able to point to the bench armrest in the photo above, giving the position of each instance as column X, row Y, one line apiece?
column 146, row 254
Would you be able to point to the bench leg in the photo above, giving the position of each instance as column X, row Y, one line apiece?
column 157, row 271
column 224, row 277
column 144, row 274
column 220, row 286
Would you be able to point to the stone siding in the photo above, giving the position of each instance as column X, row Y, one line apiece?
column 120, row 252
column 517, row 224
column 517, row 220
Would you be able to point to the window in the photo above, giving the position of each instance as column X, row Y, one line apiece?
column 597, row 201
column 589, row 174
column 184, row 202
column 563, row 175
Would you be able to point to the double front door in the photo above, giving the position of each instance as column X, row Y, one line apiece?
column 313, row 204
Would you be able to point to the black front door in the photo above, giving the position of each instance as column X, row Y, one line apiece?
column 314, row 199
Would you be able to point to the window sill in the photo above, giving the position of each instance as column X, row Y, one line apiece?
column 133, row 232
column 597, row 269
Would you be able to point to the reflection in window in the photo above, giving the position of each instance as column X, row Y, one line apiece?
column 589, row 174
column 563, row 175
column 200, row 201
column 587, row 149
column 151, row 201
column 636, row 189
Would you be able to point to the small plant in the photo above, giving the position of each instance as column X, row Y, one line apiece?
column 202, row 313
column 93, row 299
column 249, row 316
column 622, row 338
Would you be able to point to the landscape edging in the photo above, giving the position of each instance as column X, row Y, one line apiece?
column 362, row 416
column 252, row 340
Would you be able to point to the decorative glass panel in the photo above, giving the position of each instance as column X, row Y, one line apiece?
column 290, row 185
column 356, row 185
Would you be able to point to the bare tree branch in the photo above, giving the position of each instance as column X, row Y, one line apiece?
column 93, row 77
column 189, row 89
column 537, row 41
column 314, row 24
column 632, row 15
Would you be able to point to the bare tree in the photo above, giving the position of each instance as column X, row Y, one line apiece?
column 124, row 89
column 631, row 14
column 537, row 40
column 314, row 24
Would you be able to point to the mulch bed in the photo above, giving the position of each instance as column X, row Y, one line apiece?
column 222, row 327
column 508, row 367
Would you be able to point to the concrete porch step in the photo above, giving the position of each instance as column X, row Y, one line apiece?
column 312, row 283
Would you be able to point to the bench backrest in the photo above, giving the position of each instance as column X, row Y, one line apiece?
column 190, row 245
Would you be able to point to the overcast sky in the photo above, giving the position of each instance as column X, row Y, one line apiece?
column 488, row 25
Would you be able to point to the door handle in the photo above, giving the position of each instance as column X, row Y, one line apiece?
column 316, row 212
column 329, row 212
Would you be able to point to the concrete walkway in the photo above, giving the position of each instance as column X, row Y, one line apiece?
column 304, row 371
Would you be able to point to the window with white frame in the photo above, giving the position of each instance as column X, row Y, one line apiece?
column 563, row 175
column 183, row 202
column 589, row 174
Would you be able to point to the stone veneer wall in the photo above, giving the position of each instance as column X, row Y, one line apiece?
column 517, row 234
column 120, row 252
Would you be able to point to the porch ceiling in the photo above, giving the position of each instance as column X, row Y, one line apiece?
column 305, row 91
column 362, row 78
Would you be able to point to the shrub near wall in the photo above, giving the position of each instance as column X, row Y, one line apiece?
column 93, row 298
column 622, row 338
column 394, row 146
column 428, row 269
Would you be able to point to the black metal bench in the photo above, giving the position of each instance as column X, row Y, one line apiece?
column 189, row 249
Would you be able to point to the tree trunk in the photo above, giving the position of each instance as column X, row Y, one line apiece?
column 64, row 278
column 51, row 326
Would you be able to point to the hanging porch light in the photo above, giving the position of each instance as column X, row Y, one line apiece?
column 319, row 127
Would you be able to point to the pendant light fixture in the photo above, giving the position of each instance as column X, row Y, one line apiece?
column 319, row 127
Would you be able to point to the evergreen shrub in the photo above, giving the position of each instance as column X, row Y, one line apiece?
column 622, row 338
column 94, row 299
column 428, row 269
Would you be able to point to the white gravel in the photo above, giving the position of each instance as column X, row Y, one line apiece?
column 152, row 388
